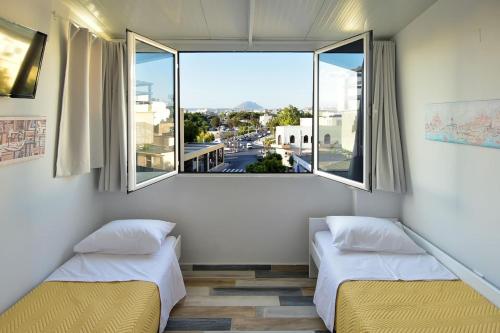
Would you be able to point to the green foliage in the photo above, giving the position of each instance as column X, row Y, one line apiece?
column 244, row 129
column 242, row 118
column 194, row 124
column 289, row 115
column 232, row 122
column 190, row 131
column 268, row 142
column 205, row 137
column 271, row 163
column 215, row 121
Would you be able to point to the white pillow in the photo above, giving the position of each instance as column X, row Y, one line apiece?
column 359, row 233
column 126, row 237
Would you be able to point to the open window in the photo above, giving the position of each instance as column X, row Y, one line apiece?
column 153, row 117
column 162, row 141
column 342, row 111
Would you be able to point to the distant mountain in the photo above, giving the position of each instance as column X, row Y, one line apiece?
column 249, row 105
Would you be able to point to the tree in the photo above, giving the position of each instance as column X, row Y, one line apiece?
column 205, row 137
column 190, row 131
column 244, row 129
column 271, row 163
column 233, row 122
column 194, row 124
column 268, row 142
column 215, row 121
column 289, row 115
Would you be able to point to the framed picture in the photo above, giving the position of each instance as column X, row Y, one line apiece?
column 470, row 123
column 22, row 139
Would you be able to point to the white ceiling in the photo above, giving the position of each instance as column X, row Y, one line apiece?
column 254, row 20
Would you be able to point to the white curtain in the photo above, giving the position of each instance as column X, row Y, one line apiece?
column 387, row 158
column 113, row 176
column 80, row 127
column 93, row 123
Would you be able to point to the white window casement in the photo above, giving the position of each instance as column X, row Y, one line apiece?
column 339, row 139
column 153, row 116
column 342, row 111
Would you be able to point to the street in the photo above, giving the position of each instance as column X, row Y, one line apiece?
column 238, row 161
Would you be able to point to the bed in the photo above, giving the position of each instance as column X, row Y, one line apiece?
column 103, row 293
column 382, row 292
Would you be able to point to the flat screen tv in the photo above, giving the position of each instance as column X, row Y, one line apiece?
column 21, row 53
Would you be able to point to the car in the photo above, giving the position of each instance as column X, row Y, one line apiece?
column 249, row 145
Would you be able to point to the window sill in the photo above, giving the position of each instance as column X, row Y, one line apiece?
column 246, row 175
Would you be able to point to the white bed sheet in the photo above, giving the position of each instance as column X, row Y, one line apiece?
column 323, row 241
column 161, row 268
column 339, row 266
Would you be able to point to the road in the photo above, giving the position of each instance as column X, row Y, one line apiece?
column 238, row 161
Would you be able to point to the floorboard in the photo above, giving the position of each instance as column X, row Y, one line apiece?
column 247, row 298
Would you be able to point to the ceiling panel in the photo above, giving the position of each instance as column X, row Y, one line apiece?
column 159, row 19
column 343, row 18
column 289, row 19
column 298, row 20
column 226, row 18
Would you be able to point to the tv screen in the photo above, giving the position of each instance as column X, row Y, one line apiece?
column 21, row 53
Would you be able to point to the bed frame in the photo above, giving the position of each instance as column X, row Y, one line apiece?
column 177, row 247
column 477, row 282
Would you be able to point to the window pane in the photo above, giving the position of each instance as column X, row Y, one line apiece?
column 247, row 112
column 341, row 111
column 154, row 112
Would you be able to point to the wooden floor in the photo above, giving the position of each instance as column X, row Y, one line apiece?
column 257, row 298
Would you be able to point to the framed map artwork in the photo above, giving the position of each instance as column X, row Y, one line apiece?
column 22, row 138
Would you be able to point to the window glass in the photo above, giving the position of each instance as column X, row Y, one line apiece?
column 154, row 112
column 341, row 111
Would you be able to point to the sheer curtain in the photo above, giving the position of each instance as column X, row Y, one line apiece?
column 113, row 176
column 387, row 159
column 93, row 125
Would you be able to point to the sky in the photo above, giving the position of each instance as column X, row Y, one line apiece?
column 226, row 79
column 158, row 69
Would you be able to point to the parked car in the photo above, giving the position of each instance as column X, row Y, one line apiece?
column 249, row 145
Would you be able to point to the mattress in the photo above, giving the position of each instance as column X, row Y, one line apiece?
column 102, row 293
column 131, row 306
column 323, row 241
column 413, row 306
column 338, row 266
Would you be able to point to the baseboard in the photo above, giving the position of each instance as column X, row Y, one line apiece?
column 245, row 264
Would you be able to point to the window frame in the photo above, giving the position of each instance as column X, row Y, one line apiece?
column 132, row 184
column 367, row 38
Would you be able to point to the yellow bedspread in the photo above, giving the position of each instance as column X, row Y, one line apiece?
column 124, row 307
column 413, row 306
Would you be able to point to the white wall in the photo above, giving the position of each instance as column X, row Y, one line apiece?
column 452, row 53
column 41, row 217
column 248, row 219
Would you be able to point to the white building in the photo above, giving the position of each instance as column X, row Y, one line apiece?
column 298, row 136
column 335, row 130
column 264, row 119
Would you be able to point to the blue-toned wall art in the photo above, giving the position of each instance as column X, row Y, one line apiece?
column 471, row 123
